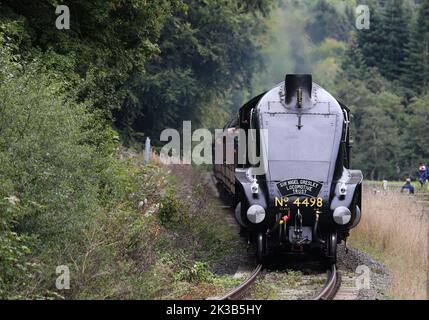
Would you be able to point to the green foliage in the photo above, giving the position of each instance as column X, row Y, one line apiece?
column 55, row 166
column 107, row 40
column 207, row 50
column 383, row 45
column 395, row 31
column 375, row 133
column 197, row 273
column 15, row 270
column 64, row 197
column 170, row 210
column 416, row 135
column 380, row 74
column 44, row 156
column 369, row 40
column 416, row 76
column 328, row 21
column 149, row 64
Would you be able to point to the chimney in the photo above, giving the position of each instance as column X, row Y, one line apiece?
column 298, row 89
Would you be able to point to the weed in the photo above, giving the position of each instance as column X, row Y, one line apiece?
column 197, row 273
column 394, row 231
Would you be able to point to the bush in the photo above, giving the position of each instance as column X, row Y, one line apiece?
column 55, row 165
column 169, row 210
column 65, row 199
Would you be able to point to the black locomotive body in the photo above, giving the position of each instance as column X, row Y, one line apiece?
column 302, row 193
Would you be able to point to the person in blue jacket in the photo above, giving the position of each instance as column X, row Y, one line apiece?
column 423, row 174
column 408, row 187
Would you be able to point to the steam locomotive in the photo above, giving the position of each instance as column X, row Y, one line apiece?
column 285, row 162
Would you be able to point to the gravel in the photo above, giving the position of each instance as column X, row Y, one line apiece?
column 379, row 276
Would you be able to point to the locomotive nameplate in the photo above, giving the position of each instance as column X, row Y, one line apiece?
column 299, row 187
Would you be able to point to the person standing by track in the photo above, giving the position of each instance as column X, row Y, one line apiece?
column 423, row 174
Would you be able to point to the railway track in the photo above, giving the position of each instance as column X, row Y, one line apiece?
column 240, row 291
column 331, row 286
column 328, row 291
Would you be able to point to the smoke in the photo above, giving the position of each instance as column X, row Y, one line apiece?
column 290, row 49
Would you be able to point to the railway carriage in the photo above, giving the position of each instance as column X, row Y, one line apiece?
column 301, row 194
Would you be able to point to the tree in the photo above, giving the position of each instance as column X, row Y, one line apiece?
column 328, row 22
column 377, row 142
column 107, row 41
column 370, row 40
column 376, row 115
column 417, row 61
column 353, row 63
column 395, row 33
column 208, row 49
column 416, row 138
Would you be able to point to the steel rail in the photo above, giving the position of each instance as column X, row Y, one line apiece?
column 239, row 291
column 331, row 286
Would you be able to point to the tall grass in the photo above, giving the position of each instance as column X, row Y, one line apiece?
column 394, row 229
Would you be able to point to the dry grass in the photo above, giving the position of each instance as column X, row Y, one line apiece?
column 394, row 229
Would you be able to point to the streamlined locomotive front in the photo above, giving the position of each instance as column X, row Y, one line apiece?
column 302, row 192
